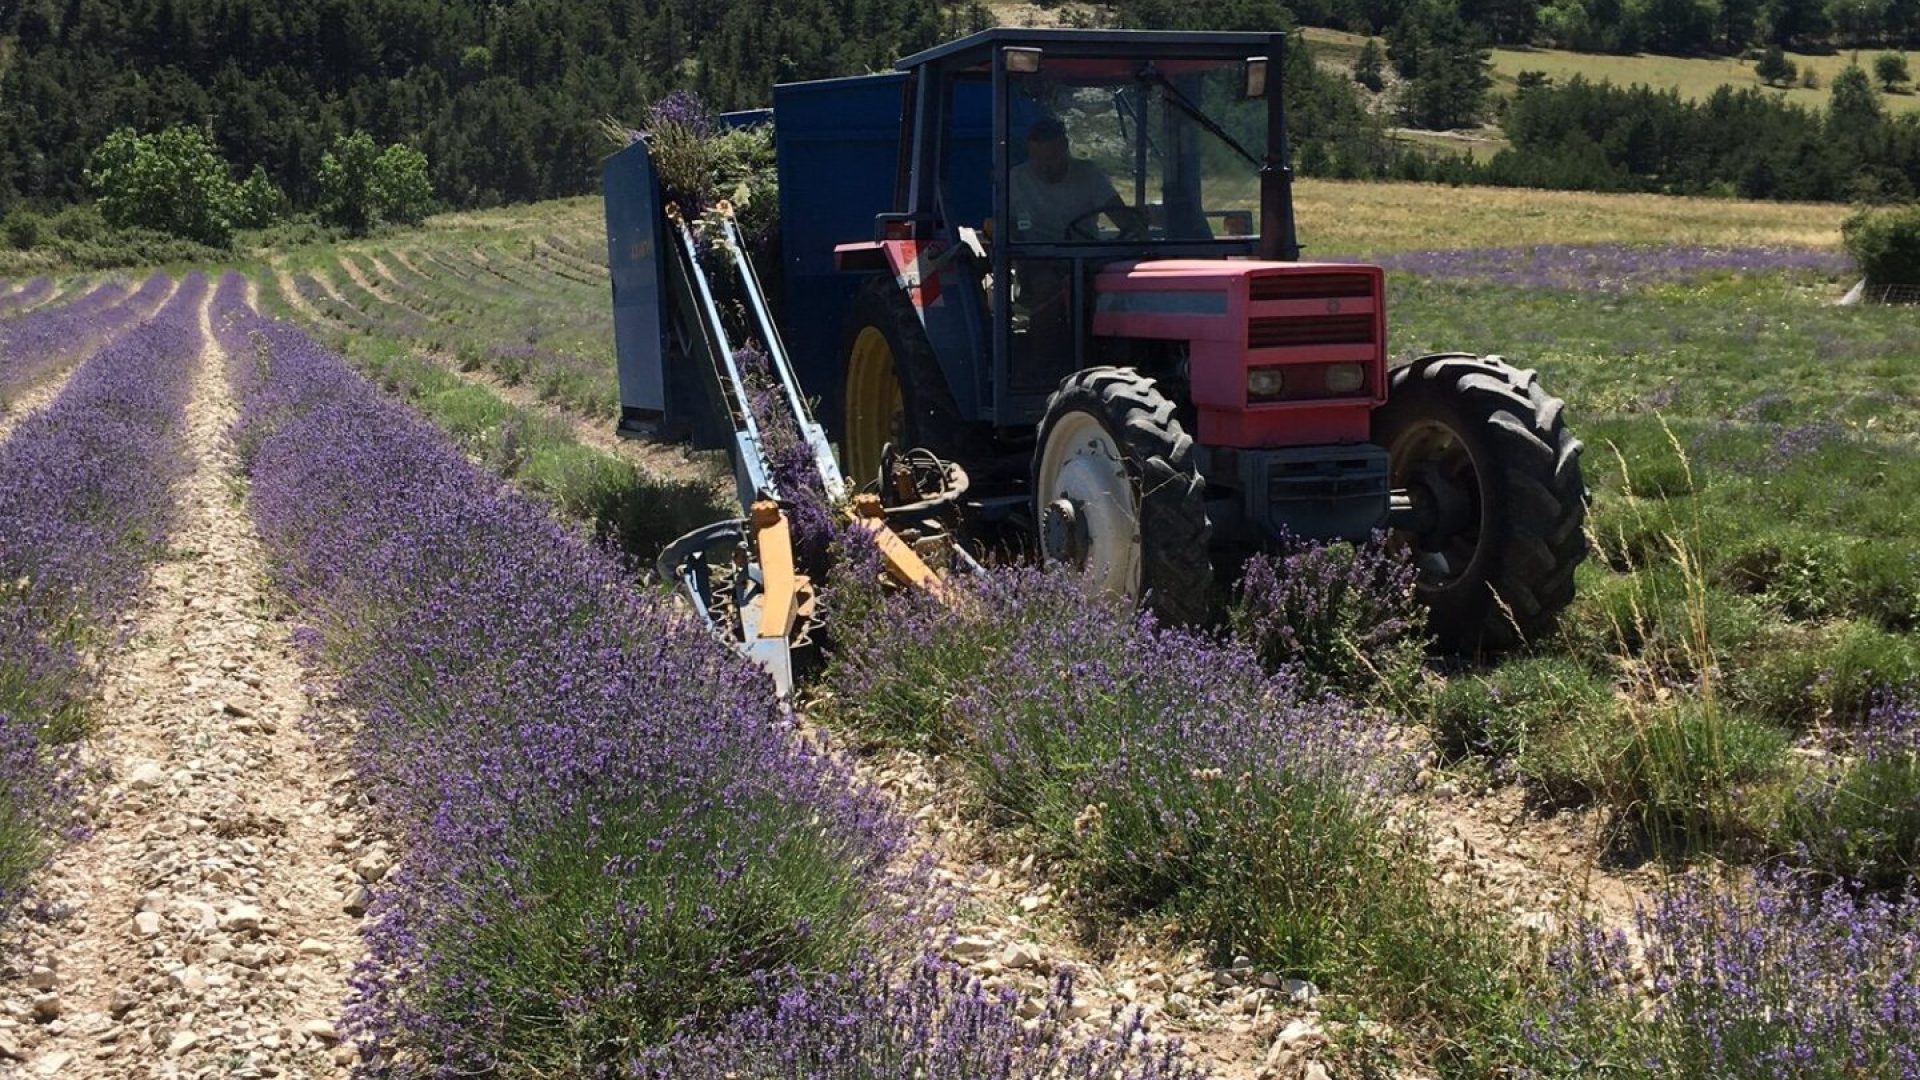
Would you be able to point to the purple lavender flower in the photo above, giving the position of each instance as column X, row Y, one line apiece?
column 683, row 108
column 935, row 1021
column 1765, row 977
column 1342, row 617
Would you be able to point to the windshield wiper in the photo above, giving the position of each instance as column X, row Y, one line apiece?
column 1185, row 105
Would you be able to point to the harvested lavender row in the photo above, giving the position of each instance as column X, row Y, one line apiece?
column 536, row 728
column 86, row 503
column 38, row 343
column 1614, row 268
column 28, row 294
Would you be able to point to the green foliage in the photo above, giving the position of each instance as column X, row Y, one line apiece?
column 257, row 202
column 172, row 181
column 1774, row 69
column 502, row 98
column 1599, row 136
column 1891, row 69
column 401, row 188
column 1502, row 713
column 362, row 185
column 1369, row 68
column 1446, row 65
column 21, row 229
column 1886, row 244
column 1860, row 818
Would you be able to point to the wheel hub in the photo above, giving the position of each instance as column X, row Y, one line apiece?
column 1088, row 509
column 1063, row 533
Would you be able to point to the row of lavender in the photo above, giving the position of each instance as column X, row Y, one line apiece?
column 1171, row 776
column 36, row 344
column 614, row 845
column 25, row 295
column 85, row 507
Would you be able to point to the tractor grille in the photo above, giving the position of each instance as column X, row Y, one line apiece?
column 1308, row 286
column 1277, row 333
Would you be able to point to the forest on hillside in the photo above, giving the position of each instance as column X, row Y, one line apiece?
column 504, row 98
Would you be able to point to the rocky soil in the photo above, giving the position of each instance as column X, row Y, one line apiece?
column 207, row 925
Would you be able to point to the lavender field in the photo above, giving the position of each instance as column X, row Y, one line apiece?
column 554, row 828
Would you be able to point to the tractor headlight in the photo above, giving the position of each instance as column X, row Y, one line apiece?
column 1265, row 382
column 1345, row 378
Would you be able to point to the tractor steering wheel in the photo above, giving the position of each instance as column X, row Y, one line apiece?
column 1137, row 232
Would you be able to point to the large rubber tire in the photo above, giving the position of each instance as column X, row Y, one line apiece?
column 929, row 418
column 1501, row 442
column 1176, row 573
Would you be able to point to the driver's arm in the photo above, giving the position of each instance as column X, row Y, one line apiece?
column 1131, row 221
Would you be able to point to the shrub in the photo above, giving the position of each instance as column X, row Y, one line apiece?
column 22, row 228
column 1885, row 243
column 1891, row 69
column 1748, row 979
column 86, row 502
column 362, row 185
column 1342, row 617
column 1858, row 817
column 257, row 201
column 1501, row 714
column 1169, row 775
column 936, row 1021
column 1836, row 674
column 173, row 181
column 1773, row 67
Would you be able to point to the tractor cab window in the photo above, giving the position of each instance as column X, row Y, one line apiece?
column 1132, row 151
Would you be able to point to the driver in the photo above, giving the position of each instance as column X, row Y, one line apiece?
column 1056, row 197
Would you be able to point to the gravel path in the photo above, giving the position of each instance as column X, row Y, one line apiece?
column 202, row 929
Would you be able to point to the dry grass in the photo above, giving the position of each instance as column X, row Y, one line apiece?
column 1348, row 217
column 1356, row 217
column 1694, row 78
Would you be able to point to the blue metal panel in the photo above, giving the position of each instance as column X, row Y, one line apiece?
column 838, row 145
column 636, row 261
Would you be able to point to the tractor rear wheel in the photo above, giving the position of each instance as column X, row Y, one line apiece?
column 1498, row 502
column 1115, row 492
column 892, row 387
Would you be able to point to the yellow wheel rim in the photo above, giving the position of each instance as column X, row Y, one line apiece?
column 874, row 406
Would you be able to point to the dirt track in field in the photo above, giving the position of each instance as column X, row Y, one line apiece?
column 201, row 930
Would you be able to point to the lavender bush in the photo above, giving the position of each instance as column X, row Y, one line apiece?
column 85, row 507
column 1342, row 617
column 1170, row 775
column 1763, row 979
column 936, row 1023
column 609, row 830
column 1858, row 815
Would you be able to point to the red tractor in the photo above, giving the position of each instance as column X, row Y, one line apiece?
column 1067, row 261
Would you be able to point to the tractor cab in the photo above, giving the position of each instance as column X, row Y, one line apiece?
column 1030, row 161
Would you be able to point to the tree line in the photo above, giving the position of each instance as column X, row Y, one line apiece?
column 503, row 98
column 1679, row 27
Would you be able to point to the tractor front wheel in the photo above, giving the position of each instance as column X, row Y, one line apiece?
column 1498, row 503
column 1116, row 494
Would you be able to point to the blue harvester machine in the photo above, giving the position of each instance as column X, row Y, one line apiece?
column 688, row 304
